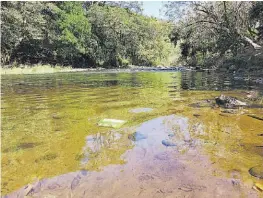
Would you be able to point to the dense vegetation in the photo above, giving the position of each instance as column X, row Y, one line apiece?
column 83, row 34
column 218, row 33
column 116, row 34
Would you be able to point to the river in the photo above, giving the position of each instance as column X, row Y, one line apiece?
column 50, row 134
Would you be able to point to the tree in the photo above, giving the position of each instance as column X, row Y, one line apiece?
column 75, row 33
column 212, row 28
column 21, row 22
column 256, row 17
column 83, row 34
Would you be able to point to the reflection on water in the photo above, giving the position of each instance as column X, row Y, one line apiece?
column 215, row 81
column 49, row 122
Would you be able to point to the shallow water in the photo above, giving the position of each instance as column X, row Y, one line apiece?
column 49, row 123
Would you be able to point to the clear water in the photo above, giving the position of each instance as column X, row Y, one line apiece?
column 46, row 120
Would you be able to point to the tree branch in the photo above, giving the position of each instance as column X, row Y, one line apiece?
column 255, row 46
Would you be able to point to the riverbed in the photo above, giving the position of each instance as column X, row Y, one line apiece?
column 51, row 139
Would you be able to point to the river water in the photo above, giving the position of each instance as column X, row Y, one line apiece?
column 50, row 132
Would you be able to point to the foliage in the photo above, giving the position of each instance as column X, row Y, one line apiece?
column 83, row 34
column 256, row 17
column 19, row 27
column 219, row 29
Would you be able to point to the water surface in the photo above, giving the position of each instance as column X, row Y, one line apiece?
column 49, row 122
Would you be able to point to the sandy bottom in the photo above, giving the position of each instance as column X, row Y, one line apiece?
column 151, row 170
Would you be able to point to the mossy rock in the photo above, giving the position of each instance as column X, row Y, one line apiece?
column 256, row 171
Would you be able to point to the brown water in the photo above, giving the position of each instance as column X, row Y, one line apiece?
column 49, row 128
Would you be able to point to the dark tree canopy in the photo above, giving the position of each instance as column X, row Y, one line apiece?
column 116, row 33
column 83, row 34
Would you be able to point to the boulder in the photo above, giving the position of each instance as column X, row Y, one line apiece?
column 229, row 102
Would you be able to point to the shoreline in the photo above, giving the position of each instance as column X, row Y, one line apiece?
column 48, row 69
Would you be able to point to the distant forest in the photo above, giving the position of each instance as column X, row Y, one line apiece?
column 117, row 34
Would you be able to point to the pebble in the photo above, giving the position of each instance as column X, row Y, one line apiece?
column 168, row 143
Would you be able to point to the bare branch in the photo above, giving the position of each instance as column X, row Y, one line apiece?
column 255, row 46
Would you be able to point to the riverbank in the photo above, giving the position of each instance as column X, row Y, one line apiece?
column 45, row 69
column 48, row 69
column 35, row 69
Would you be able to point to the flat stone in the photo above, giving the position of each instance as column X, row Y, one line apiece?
column 111, row 123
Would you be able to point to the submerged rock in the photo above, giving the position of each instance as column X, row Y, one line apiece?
column 171, row 135
column 201, row 104
column 230, row 111
column 141, row 110
column 168, row 143
column 258, row 187
column 75, row 182
column 111, row 123
column 256, row 171
column 56, row 116
column 196, row 115
column 136, row 136
column 229, row 102
column 256, row 117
